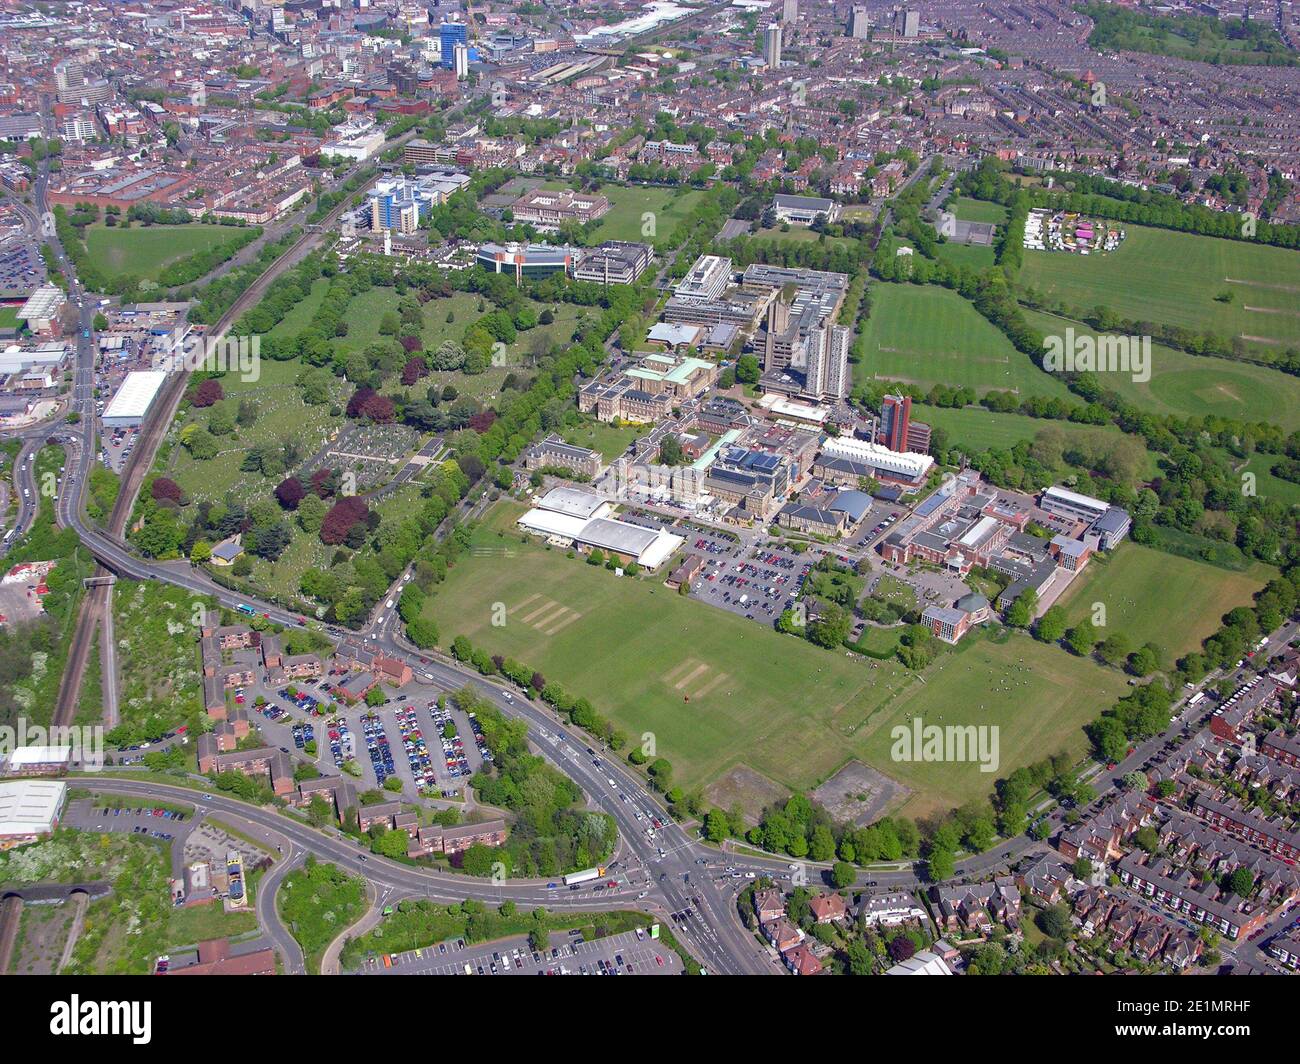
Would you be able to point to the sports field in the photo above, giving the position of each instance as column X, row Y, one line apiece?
column 1197, row 385
column 1173, row 278
column 927, row 335
column 718, row 691
column 1151, row 596
column 972, row 210
column 1039, row 697
column 142, row 251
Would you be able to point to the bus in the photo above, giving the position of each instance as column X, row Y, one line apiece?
column 243, row 607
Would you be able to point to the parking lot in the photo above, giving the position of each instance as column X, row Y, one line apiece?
column 432, row 752
column 631, row 953
column 163, row 824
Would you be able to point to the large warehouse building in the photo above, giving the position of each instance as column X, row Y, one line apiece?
column 130, row 405
column 569, row 517
column 29, row 810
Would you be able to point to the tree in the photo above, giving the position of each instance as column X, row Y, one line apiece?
column 859, row 957
column 1114, row 649
column 901, row 948
column 1241, row 882
column 716, row 826
column 1051, row 625
column 375, row 696
column 311, row 513
column 346, row 514
column 747, row 369
column 1142, row 662
column 1054, row 922
column 941, row 864
column 208, row 392
column 843, row 874
column 422, row 632
column 831, row 627
column 1081, row 638
column 201, row 444
column 1020, row 614
column 1137, row 781
column 290, row 493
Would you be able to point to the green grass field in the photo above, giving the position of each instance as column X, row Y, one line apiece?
column 1196, row 385
column 367, row 310
column 599, row 436
column 301, row 313
column 628, row 206
column 791, row 711
column 1151, row 596
column 977, row 258
column 1039, row 697
column 1267, row 485
column 973, row 210
column 976, row 429
column 1173, row 278
column 142, row 251
column 927, row 335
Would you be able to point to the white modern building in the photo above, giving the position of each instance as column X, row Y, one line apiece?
column 41, row 311
column 707, row 279
column 29, row 810
column 887, row 464
column 803, row 210
column 130, row 405
column 356, row 139
column 568, row 517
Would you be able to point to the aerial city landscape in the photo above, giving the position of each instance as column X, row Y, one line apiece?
column 758, row 487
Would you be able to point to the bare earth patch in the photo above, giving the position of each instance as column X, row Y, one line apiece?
column 860, row 795
column 750, row 790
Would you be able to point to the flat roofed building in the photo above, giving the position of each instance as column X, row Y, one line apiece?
column 574, row 503
column 1066, row 503
column 130, row 405
column 648, row 547
column 526, row 260
column 29, row 810
column 707, row 278
column 614, row 262
column 803, row 210
column 38, row 761
column 891, row 465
